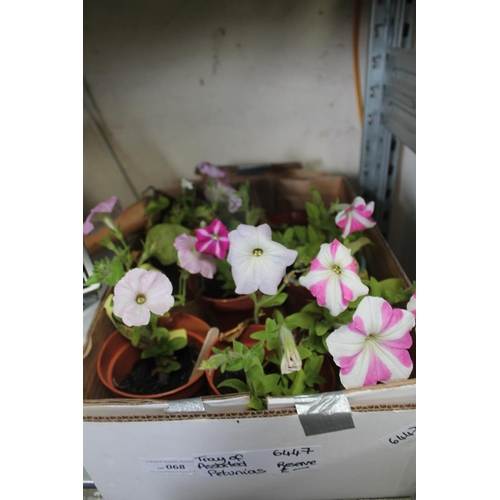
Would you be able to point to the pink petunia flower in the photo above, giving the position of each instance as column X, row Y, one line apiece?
column 104, row 212
column 257, row 262
column 412, row 304
column 211, row 170
column 221, row 192
column 139, row 293
column 374, row 347
column 233, row 202
column 333, row 278
column 355, row 217
column 191, row 260
column 213, row 239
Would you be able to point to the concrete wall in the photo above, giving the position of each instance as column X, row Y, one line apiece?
column 171, row 83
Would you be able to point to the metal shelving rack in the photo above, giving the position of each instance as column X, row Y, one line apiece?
column 389, row 117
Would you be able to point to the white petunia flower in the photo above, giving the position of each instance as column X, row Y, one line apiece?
column 139, row 293
column 185, row 184
column 257, row 262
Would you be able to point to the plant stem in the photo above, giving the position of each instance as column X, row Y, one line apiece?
column 256, row 309
column 182, row 287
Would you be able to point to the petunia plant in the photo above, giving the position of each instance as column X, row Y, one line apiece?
column 273, row 366
column 112, row 270
column 197, row 207
column 139, row 300
column 341, row 221
column 343, row 296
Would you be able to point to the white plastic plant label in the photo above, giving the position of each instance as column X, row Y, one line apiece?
column 259, row 462
column 400, row 437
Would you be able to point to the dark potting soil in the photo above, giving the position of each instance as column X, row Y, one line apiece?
column 141, row 381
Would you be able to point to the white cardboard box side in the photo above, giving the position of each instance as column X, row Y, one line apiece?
column 355, row 464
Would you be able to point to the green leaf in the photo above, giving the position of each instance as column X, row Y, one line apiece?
column 358, row 244
column 154, row 207
column 262, row 335
column 178, row 343
column 109, row 271
column 313, row 366
column 161, row 237
column 256, row 403
column 303, row 352
column 215, row 361
column 392, row 289
column 273, row 358
column 117, row 272
column 136, row 336
column 301, row 233
column 234, row 383
column 173, row 366
column 269, row 382
column 273, row 300
column 323, row 327
column 161, row 331
column 253, row 216
column 312, row 213
column 314, row 236
column 271, row 325
column 152, row 352
column 301, row 319
column 299, row 383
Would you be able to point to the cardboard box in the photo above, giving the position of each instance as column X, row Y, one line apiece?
column 214, row 448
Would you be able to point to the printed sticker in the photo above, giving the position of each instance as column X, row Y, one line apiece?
column 167, row 465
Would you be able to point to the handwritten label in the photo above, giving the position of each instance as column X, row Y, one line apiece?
column 259, row 462
column 167, row 465
column 400, row 437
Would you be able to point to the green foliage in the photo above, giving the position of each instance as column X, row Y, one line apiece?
column 155, row 206
column 153, row 340
column 110, row 271
column 392, row 289
column 321, row 228
column 261, row 364
column 161, row 239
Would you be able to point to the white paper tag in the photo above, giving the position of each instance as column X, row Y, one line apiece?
column 258, row 462
column 167, row 465
column 398, row 438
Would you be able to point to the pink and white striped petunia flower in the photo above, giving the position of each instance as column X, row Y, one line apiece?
column 139, row 293
column 333, row 278
column 257, row 262
column 213, row 239
column 191, row 260
column 104, row 212
column 412, row 304
column 374, row 347
column 356, row 217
